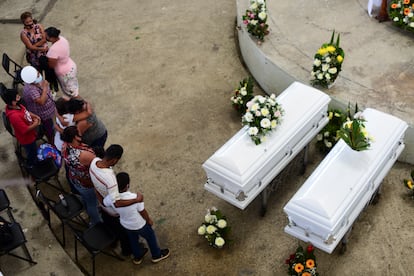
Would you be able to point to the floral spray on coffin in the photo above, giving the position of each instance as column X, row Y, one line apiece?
column 353, row 132
column 327, row 63
column 262, row 116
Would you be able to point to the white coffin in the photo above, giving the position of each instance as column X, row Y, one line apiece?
column 330, row 200
column 240, row 170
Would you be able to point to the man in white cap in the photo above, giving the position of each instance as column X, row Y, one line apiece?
column 38, row 99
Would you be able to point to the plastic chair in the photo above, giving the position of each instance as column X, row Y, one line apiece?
column 18, row 240
column 13, row 69
column 67, row 210
column 96, row 239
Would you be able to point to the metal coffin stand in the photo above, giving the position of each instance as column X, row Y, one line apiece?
column 240, row 170
column 323, row 210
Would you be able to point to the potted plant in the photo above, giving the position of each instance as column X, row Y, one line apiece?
column 242, row 95
column 328, row 136
column 255, row 19
column 215, row 228
column 401, row 12
column 302, row 262
column 409, row 183
column 327, row 63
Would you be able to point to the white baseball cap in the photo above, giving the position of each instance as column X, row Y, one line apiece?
column 29, row 74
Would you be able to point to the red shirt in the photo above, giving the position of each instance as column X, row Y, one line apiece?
column 20, row 120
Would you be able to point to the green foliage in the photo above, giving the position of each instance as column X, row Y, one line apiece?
column 353, row 132
column 328, row 136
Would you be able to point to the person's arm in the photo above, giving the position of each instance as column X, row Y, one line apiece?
column 34, row 116
column 43, row 96
column 29, row 45
column 127, row 202
column 52, row 62
column 58, row 128
column 84, row 114
column 86, row 157
column 83, row 126
column 147, row 218
column 43, row 40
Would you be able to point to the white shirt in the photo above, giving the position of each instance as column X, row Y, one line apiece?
column 104, row 181
column 67, row 118
column 130, row 217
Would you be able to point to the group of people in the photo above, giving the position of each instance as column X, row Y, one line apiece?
column 74, row 131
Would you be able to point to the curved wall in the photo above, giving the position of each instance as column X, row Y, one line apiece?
column 274, row 79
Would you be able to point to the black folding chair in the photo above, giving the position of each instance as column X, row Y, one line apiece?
column 5, row 205
column 13, row 69
column 17, row 238
column 67, row 210
column 44, row 171
column 96, row 239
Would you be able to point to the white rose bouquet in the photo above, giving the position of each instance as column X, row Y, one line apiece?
column 255, row 19
column 327, row 63
column 242, row 95
column 263, row 115
column 214, row 228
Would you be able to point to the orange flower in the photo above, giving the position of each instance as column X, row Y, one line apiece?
column 299, row 268
column 306, row 274
column 406, row 2
column 406, row 11
column 394, row 6
column 412, row 6
column 310, row 263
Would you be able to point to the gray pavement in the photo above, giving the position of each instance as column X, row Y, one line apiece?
column 160, row 75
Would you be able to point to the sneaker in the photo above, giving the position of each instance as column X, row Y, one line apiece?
column 138, row 261
column 165, row 253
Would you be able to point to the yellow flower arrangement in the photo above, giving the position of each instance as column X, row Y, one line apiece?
column 327, row 63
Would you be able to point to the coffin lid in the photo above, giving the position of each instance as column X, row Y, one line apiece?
column 341, row 176
column 239, row 158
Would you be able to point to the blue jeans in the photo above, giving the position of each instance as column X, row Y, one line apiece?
column 89, row 200
column 31, row 153
column 149, row 235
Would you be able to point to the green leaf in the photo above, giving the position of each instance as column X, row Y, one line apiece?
column 332, row 37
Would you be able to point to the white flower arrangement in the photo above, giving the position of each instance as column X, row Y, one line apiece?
column 327, row 63
column 262, row 116
column 214, row 228
column 255, row 19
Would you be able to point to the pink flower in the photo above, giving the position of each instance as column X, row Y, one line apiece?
column 251, row 15
column 246, row 21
